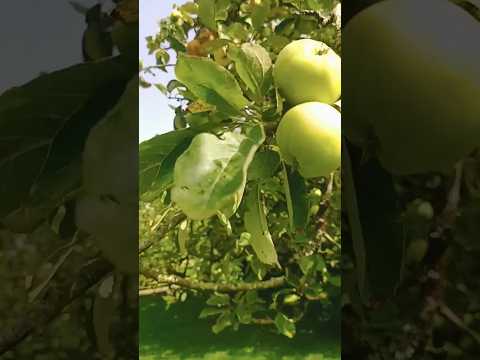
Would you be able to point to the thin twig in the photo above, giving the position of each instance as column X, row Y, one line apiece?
column 450, row 315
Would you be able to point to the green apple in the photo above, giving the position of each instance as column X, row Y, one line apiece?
column 416, row 251
column 413, row 83
column 309, row 137
column 308, row 70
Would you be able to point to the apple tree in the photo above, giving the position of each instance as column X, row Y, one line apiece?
column 233, row 207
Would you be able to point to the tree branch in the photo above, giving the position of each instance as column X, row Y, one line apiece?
column 261, row 321
column 210, row 286
column 154, row 291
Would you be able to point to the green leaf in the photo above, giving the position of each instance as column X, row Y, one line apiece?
column 278, row 42
column 49, row 192
column 297, row 199
column 219, row 300
column 286, row 27
column 308, row 263
column 212, row 45
column 253, row 65
column 223, row 321
column 244, row 313
column 335, row 280
column 157, row 160
column 256, row 224
column 174, row 84
column 189, row 7
column 162, row 57
column 264, row 165
column 378, row 209
column 237, row 31
column 221, row 9
column 206, row 13
column 210, row 311
column 211, row 83
column 321, row 5
column 210, row 176
column 285, row 325
column 260, row 14
column 43, row 124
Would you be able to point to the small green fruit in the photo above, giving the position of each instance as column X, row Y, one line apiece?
column 425, row 210
column 416, row 251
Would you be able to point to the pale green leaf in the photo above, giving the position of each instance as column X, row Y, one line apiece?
column 211, row 83
column 253, row 65
column 260, row 14
column 256, row 224
column 206, row 13
column 285, row 325
column 210, row 176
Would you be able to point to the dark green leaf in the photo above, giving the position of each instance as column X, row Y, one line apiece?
column 297, row 199
column 43, row 124
column 265, row 164
column 157, row 160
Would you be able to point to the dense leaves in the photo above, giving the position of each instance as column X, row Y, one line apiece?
column 266, row 239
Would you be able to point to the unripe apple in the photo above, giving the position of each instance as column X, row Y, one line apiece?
column 416, row 251
column 308, row 70
column 425, row 210
column 309, row 138
column 413, row 83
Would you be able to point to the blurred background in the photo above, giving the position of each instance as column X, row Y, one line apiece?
column 155, row 115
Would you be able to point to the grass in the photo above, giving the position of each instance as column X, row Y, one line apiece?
column 178, row 334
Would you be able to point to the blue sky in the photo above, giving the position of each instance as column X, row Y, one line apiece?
column 155, row 115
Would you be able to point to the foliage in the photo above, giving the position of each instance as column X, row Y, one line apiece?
column 260, row 241
column 249, row 342
column 61, row 297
